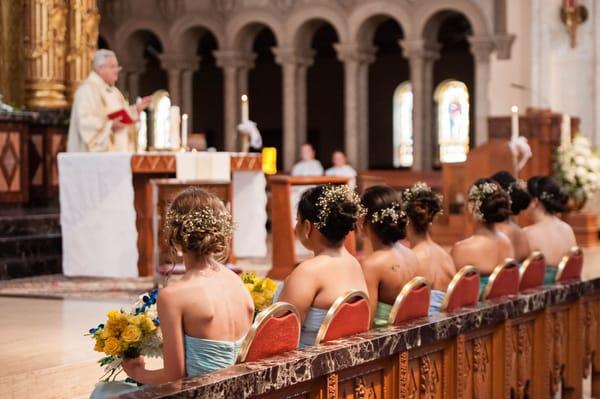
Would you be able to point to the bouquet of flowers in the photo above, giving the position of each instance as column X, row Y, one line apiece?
column 577, row 168
column 262, row 290
column 128, row 335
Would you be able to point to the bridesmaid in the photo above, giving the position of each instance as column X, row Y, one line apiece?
column 488, row 247
column 435, row 264
column 326, row 215
column 519, row 201
column 205, row 316
column 391, row 265
column 548, row 234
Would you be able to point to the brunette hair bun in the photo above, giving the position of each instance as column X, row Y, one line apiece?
column 519, row 197
column 199, row 223
column 489, row 202
column 549, row 193
column 383, row 207
column 334, row 210
column 422, row 206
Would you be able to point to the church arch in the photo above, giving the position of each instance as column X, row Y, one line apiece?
column 366, row 18
column 427, row 17
column 303, row 25
column 243, row 28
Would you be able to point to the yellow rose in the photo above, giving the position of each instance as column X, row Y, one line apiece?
column 249, row 287
column 137, row 320
column 112, row 346
column 259, row 300
column 107, row 332
column 99, row 347
column 270, row 285
column 148, row 325
column 131, row 334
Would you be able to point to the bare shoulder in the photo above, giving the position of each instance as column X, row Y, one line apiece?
column 375, row 261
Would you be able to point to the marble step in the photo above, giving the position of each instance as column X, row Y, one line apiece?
column 18, row 267
column 30, row 246
column 20, row 223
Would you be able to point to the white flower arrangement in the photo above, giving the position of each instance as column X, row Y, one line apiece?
column 577, row 168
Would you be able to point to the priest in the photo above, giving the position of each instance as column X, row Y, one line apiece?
column 101, row 118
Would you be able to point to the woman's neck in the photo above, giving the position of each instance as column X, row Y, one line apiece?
column 418, row 238
column 540, row 215
column 328, row 250
column 199, row 265
column 376, row 243
column 485, row 229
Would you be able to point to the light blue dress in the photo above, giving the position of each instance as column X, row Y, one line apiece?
column 435, row 301
column 550, row 275
column 201, row 356
column 312, row 322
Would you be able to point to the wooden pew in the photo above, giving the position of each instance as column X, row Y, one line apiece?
column 282, row 226
column 509, row 347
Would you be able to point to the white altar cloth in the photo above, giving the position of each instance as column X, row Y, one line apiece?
column 97, row 215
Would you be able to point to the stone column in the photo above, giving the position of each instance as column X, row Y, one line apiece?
column 172, row 65
column 232, row 63
column 45, row 42
column 356, row 61
column 294, row 94
column 189, row 67
column 129, row 78
column 481, row 47
column 84, row 21
column 421, row 56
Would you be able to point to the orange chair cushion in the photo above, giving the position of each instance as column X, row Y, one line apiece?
column 276, row 335
column 351, row 318
column 415, row 305
column 533, row 275
column 572, row 270
column 505, row 283
column 465, row 293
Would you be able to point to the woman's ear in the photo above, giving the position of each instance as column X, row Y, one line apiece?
column 308, row 228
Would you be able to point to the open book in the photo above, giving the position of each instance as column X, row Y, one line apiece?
column 122, row 116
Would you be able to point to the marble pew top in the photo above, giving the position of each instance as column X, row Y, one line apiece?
column 272, row 374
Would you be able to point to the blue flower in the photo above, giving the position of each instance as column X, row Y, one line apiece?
column 145, row 298
column 156, row 321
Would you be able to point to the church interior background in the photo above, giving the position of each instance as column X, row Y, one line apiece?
column 406, row 88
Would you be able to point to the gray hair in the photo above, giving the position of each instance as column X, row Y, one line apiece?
column 100, row 58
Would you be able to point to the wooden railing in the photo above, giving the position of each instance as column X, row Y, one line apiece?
column 525, row 346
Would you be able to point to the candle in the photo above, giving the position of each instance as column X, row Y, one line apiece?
column 515, row 122
column 184, row 131
column 142, row 144
column 565, row 130
column 245, row 109
column 175, row 123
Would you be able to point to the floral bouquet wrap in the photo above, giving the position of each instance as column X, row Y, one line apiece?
column 128, row 335
column 262, row 290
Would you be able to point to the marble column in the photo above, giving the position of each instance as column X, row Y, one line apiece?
column 421, row 56
column 294, row 67
column 481, row 48
column 234, row 63
column 356, row 96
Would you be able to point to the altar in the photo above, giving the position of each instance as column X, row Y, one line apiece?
column 116, row 224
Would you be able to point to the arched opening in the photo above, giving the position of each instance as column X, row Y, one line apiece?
column 452, row 122
column 455, row 63
column 208, row 93
column 387, row 72
column 102, row 43
column 403, row 125
column 325, row 95
column 144, row 45
column 265, row 91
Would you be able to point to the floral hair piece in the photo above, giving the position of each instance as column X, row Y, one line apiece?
column 419, row 187
column 203, row 221
column 394, row 212
column 331, row 195
column 477, row 194
column 546, row 196
column 517, row 184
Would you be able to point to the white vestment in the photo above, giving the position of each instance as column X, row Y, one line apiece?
column 344, row 171
column 308, row 168
column 90, row 129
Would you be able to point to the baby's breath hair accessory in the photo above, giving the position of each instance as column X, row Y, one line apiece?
column 418, row 188
column 517, row 184
column 331, row 195
column 477, row 194
column 203, row 221
column 545, row 196
column 393, row 213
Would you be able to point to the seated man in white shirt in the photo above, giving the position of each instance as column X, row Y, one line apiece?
column 341, row 168
column 308, row 165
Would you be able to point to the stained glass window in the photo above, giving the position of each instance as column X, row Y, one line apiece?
column 403, row 126
column 452, row 99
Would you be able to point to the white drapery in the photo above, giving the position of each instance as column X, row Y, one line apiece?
column 97, row 215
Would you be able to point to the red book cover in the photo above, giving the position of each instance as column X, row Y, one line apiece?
column 122, row 115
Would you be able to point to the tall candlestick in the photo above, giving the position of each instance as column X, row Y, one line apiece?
column 515, row 122
column 184, row 131
column 245, row 109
